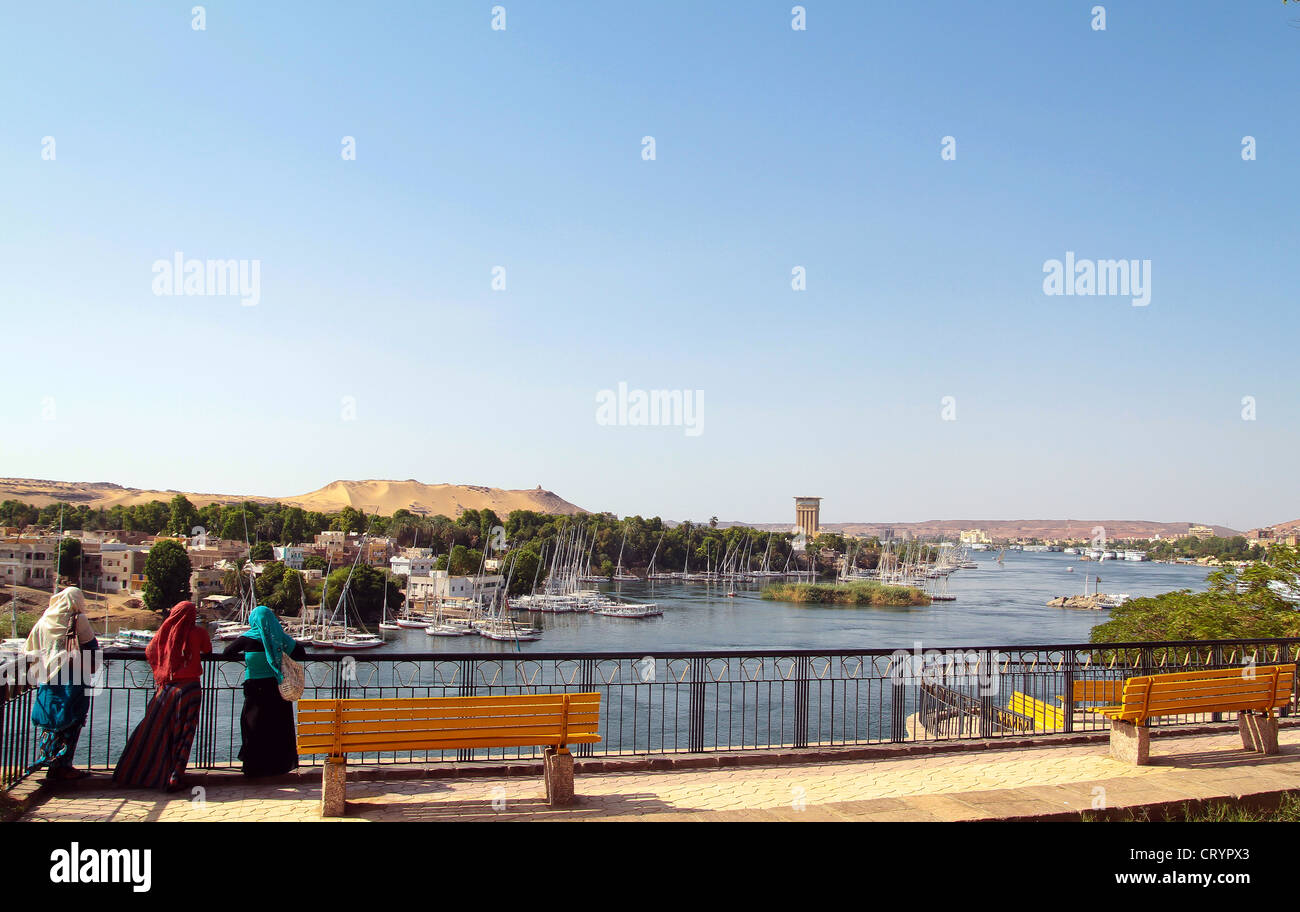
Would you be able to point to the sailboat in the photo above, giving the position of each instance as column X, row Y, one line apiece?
column 350, row 639
column 237, row 626
column 384, row 623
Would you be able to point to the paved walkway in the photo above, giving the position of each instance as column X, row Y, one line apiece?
column 993, row 784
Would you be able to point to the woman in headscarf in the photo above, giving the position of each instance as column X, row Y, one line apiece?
column 159, row 748
column 266, row 724
column 62, row 654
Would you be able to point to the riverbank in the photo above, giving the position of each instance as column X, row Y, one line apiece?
column 856, row 593
column 119, row 611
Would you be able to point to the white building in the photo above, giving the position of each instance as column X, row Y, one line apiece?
column 291, row 555
column 411, row 565
column 438, row 585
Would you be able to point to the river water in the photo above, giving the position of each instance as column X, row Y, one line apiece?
column 997, row 605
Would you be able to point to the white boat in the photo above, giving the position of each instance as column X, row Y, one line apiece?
column 646, row 610
column 230, row 630
column 509, row 631
column 357, row 641
column 447, row 630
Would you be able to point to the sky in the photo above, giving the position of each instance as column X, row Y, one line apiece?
column 922, row 372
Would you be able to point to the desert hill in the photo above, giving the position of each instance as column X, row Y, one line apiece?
column 385, row 496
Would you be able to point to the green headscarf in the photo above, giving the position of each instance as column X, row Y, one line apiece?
column 265, row 626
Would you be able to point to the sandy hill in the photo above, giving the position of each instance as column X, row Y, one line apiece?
column 385, row 496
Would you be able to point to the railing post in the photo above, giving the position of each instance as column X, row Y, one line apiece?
column 588, row 672
column 1071, row 659
column 695, row 733
column 988, row 697
column 1216, row 661
column 803, row 665
column 466, row 690
column 897, row 711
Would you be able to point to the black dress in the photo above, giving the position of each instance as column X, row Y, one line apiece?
column 270, row 747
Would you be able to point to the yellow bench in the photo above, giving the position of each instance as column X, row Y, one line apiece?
column 1252, row 691
column 338, row 727
column 1096, row 692
column 1044, row 715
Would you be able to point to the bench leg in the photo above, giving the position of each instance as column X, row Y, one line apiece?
column 1130, row 742
column 558, row 765
column 334, row 778
column 1258, row 732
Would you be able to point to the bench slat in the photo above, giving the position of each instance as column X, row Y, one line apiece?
column 504, row 700
column 1208, row 674
column 350, row 718
column 586, row 722
column 1094, row 691
column 443, row 745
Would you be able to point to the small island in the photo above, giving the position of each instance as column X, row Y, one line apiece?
column 855, row 593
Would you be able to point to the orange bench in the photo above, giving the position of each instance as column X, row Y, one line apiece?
column 1254, row 692
column 553, row 721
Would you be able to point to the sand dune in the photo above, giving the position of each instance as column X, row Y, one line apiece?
column 385, row 496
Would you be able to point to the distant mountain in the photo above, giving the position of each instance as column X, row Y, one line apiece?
column 1017, row 528
column 385, row 496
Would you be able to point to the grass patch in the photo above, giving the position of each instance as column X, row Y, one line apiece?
column 26, row 621
column 1220, row 811
column 855, row 593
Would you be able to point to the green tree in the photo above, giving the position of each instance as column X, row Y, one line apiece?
column 294, row 529
column 167, row 576
column 523, row 572
column 461, row 561
column 70, row 559
column 183, row 516
column 277, row 588
column 365, row 591
column 262, row 551
column 1255, row 601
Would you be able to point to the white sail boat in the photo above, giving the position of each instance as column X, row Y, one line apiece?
column 350, row 639
column 384, row 623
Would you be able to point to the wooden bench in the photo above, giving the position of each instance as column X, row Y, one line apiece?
column 339, row 727
column 1254, row 692
column 1085, row 692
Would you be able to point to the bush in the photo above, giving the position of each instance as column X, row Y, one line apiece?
column 860, row 592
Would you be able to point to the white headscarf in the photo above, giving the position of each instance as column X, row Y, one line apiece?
column 48, row 643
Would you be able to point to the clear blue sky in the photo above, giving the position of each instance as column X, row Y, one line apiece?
column 775, row 148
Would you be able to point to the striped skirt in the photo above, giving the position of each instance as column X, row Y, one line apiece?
column 159, row 747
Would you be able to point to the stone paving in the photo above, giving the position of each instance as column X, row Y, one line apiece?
column 1039, row 781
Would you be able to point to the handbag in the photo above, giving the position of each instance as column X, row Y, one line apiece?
column 293, row 680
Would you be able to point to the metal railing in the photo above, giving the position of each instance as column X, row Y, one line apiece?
column 681, row 702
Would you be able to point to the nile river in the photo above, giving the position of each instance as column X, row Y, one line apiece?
column 996, row 606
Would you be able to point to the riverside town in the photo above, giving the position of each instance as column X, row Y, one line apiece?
column 367, row 480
